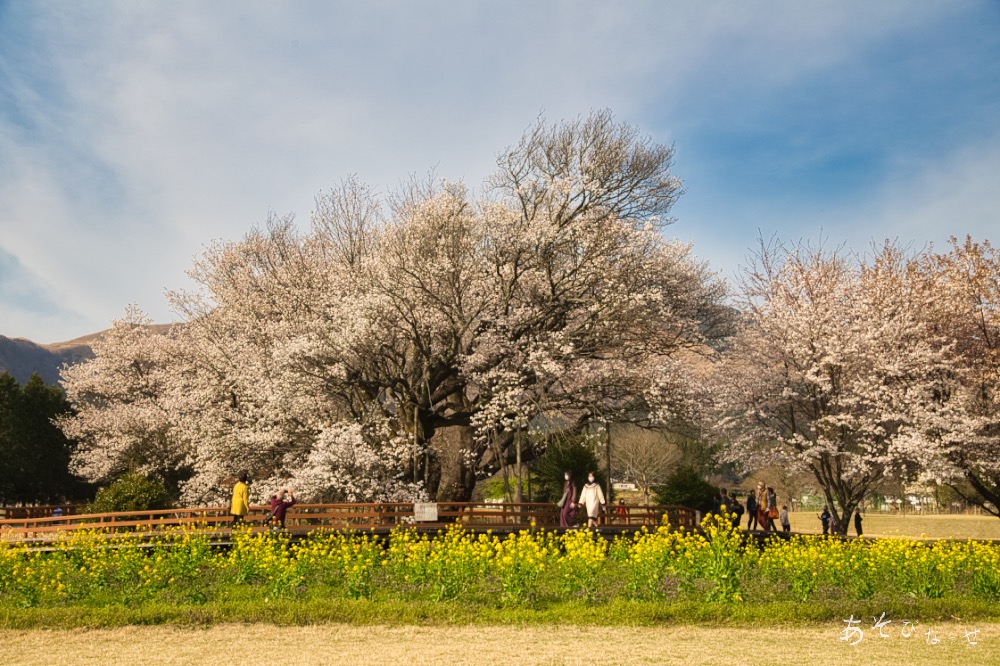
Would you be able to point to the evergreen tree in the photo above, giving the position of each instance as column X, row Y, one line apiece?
column 34, row 453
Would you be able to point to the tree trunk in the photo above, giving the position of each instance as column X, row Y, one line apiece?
column 452, row 444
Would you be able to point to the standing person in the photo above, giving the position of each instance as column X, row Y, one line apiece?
column 279, row 506
column 752, row 511
column 772, row 509
column 240, row 506
column 722, row 502
column 762, row 505
column 565, row 502
column 592, row 497
column 786, row 526
column 736, row 509
column 857, row 521
column 825, row 519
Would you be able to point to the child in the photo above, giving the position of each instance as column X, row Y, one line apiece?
column 783, row 517
column 825, row 519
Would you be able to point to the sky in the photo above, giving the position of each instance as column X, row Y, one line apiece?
column 134, row 134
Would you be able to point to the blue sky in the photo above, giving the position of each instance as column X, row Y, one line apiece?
column 132, row 134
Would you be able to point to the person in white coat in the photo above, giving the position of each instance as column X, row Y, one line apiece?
column 592, row 497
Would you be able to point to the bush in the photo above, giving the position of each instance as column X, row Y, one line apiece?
column 574, row 455
column 131, row 492
column 686, row 487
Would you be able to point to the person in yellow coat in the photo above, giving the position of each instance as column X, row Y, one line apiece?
column 241, row 499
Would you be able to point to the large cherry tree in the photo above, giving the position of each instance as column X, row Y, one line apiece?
column 402, row 346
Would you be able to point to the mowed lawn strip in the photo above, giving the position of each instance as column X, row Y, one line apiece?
column 920, row 526
column 346, row 644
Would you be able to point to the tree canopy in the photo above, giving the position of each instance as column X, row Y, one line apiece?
column 398, row 346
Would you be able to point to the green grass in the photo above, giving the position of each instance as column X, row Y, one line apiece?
column 577, row 613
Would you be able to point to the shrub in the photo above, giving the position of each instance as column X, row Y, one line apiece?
column 131, row 492
column 686, row 487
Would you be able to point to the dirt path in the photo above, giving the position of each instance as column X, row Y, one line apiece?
column 344, row 645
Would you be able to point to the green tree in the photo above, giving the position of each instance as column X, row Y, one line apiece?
column 34, row 453
column 573, row 454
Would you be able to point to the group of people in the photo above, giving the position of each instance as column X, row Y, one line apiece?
column 591, row 498
column 832, row 526
column 240, row 505
column 761, row 508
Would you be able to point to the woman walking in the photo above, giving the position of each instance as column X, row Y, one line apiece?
column 772, row 509
column 565, row 502
column 762, row 505
column 240, row 505
column 592, row 498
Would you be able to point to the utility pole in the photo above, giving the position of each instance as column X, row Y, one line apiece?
column 518, row 495
column 416, row 446
column 607, row 453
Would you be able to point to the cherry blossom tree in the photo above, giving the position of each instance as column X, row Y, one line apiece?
column 961, row 290
column 399, row 346
column 124, row 419
column 833, row 372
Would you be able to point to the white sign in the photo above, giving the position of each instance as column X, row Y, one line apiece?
column 426, row 512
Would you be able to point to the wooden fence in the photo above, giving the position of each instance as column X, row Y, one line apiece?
column 38, row 510
column 303, row 518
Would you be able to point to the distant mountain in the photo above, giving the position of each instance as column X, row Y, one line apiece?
column 22, row 357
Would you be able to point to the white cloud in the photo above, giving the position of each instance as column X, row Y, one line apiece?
column 178, row 123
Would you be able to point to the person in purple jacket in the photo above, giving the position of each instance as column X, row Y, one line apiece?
column 279, row 505
column 565, row 503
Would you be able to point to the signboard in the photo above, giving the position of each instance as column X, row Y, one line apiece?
column 426, row 512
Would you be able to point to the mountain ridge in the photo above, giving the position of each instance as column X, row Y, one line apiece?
column 22, row 357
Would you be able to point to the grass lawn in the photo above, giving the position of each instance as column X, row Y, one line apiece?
column 916, row 526
column 268, row 645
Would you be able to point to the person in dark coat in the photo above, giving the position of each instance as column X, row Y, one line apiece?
column 857, row 522
column 565, row 503
column 736, row 509
column 825, row 519
column 752, row 511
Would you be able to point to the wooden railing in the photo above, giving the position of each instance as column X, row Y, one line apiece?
column 38, row 510
column 362, row 516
